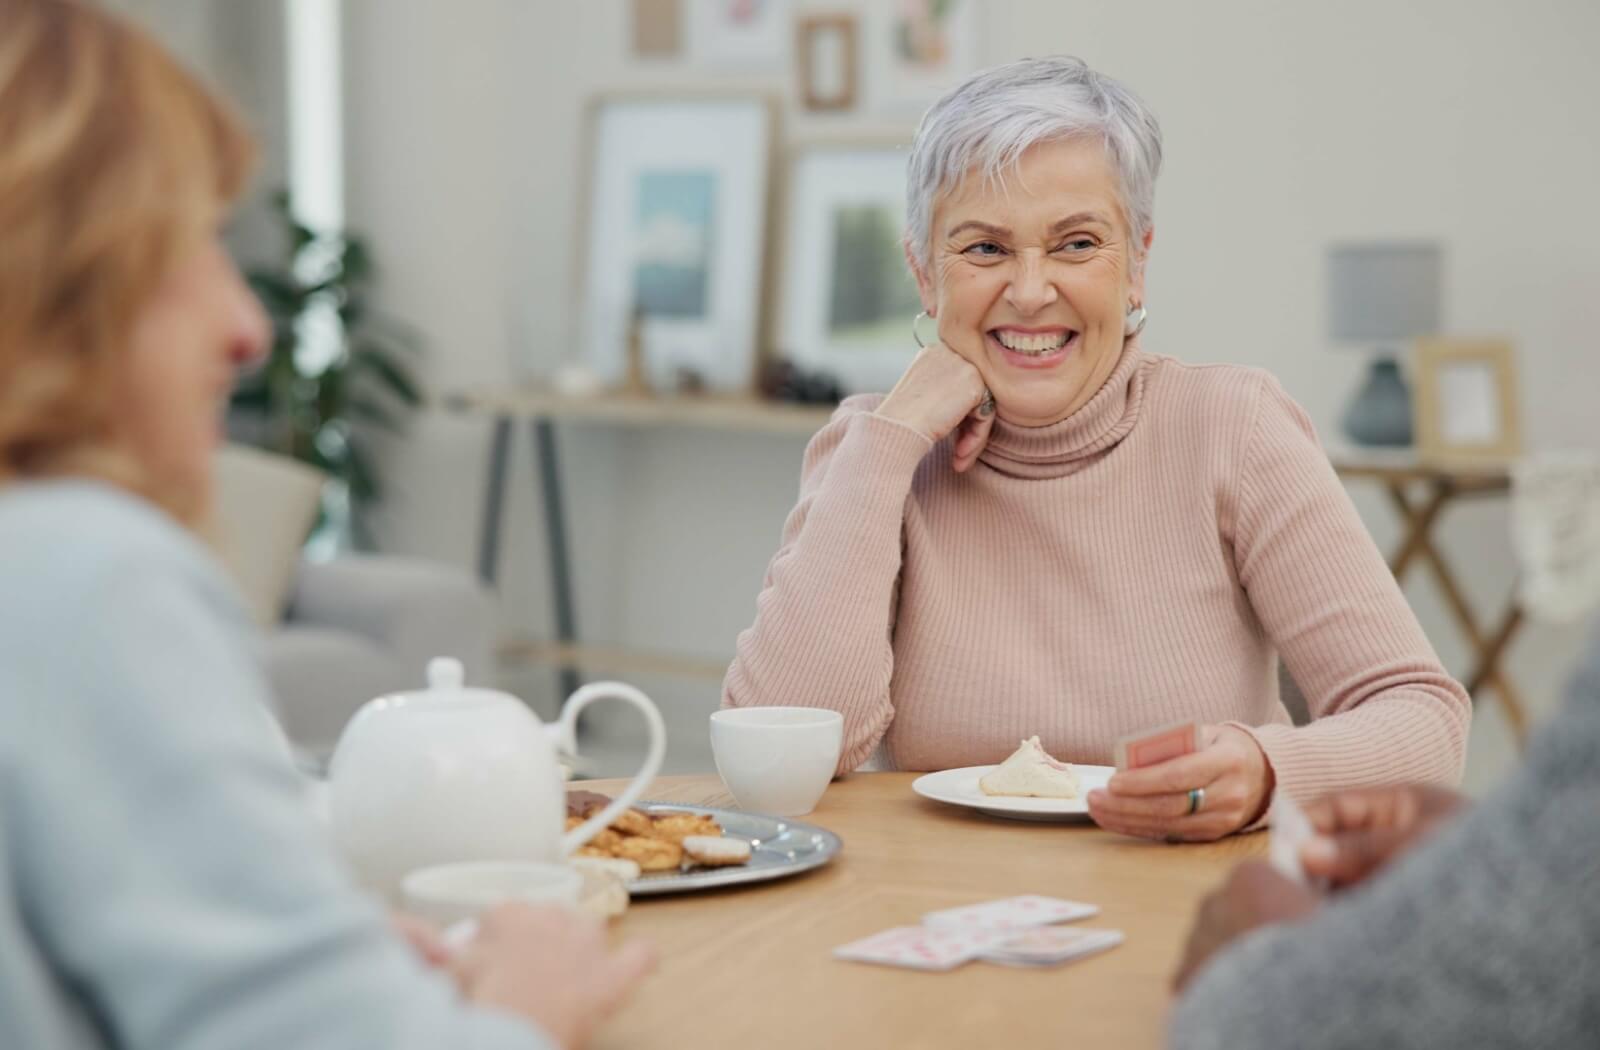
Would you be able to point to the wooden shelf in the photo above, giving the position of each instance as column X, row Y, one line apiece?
column 705, row 411
column 604, row 659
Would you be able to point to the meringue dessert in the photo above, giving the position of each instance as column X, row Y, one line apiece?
column 1031, row 773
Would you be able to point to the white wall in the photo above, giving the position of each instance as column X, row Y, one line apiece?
column 1287, row 125
column 237, row 46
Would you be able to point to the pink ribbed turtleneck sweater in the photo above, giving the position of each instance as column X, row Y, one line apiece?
column 1145, row 560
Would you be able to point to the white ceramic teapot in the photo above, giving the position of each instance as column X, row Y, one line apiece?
column 456, row 774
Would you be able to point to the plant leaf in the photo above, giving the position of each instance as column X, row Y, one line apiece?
column 372, row 411
column 390, row 373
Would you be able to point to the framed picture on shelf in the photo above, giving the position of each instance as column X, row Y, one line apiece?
column 677, row 213
column 1465, row 399
column 848, row 297
column 920, row 49
column 827, row 63
column 657, row 28
column 739, row 34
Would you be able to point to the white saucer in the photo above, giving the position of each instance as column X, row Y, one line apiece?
column 959, row 787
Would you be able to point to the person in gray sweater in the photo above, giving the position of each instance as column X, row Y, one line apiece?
column 1448, row 926
column 164, row 884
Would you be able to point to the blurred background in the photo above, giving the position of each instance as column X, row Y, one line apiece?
column 510, row 209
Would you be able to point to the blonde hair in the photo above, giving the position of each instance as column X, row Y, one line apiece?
column 113, row 159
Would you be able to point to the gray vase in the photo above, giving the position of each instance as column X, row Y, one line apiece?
column 1381, row 411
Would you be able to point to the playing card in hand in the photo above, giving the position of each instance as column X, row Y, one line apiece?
column 1291, row 829
column 1153, row 746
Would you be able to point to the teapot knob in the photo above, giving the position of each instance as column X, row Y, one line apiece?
column 446, row 672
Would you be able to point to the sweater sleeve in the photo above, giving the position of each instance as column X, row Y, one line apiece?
column 1384, row 710
column 821, row 637
column 1483, row 937
column 160, row 843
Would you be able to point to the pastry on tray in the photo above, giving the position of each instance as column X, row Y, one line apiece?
column 1030, row 772
column 655, row 842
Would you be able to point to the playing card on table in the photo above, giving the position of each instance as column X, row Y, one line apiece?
column 1050, row 945
column 1010, row 913
column 1158, row 745
column 921, row 947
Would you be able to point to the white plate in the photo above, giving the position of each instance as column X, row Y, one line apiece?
column 959, row 787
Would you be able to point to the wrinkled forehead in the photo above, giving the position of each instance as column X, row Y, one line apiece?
column 1046, row 183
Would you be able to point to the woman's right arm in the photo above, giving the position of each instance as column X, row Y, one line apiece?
column 824, row 617
column 821, row 637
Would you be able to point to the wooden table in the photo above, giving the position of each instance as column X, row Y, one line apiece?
column 1403, row 474
column 752, row 967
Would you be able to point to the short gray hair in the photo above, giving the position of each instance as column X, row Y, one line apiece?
column 987, row 123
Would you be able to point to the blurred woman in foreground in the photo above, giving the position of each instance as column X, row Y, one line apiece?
column 162, row 883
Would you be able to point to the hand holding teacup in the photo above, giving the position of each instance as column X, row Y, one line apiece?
column 1223, row 786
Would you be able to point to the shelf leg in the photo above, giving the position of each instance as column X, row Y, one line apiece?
column 555, row 528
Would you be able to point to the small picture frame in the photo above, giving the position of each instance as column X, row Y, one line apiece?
column 677, row 215
column 739, row 35
column 1464, row 399
column 919, row 49
column 848, row 297
column 657, row 28
column 827, row 61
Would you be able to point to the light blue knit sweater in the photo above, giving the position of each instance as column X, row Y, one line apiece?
column 162, row 883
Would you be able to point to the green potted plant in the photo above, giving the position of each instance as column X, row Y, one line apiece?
column 338, row 373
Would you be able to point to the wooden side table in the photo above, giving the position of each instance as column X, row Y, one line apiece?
column 1403, row 474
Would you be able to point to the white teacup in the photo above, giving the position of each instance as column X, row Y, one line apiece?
column 777, row 760
column 449, row 893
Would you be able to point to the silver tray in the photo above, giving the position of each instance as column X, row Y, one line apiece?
column 779, row 848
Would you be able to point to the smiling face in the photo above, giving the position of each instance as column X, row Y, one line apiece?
column 1031, row 281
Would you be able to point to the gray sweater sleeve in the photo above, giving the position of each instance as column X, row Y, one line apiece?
column 163, row 861
column 1487, row 936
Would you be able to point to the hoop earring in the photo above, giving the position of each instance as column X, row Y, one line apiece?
column 1133, row 321
column 914, row 333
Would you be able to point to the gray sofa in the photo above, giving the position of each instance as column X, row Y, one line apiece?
column 364, row 625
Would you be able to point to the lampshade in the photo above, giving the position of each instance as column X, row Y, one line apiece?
column 1383, row 291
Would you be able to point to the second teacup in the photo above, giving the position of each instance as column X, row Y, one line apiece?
column 450, row 893
column 777, row 760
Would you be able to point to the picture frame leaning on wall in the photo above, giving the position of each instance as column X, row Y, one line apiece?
column 1465, row 401
column 848, row 298
column 677, row 206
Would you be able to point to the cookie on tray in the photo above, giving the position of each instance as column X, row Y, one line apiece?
column 714, row 851
column 650, row 854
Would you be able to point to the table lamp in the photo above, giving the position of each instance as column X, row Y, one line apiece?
column 1381, row 294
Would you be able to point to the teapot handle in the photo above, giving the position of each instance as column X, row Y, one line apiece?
column 566, row 730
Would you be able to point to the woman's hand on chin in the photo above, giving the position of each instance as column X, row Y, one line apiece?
column 1154, row 801
column 940, row 391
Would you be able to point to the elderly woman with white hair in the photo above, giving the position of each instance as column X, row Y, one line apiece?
column 1046, row 529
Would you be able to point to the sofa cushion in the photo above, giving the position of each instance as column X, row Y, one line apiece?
column 266, row 507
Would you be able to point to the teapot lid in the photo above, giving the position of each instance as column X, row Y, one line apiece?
column 446, row 673
column 447, row 690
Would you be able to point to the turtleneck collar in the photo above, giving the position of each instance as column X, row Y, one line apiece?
column 1066, row 446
